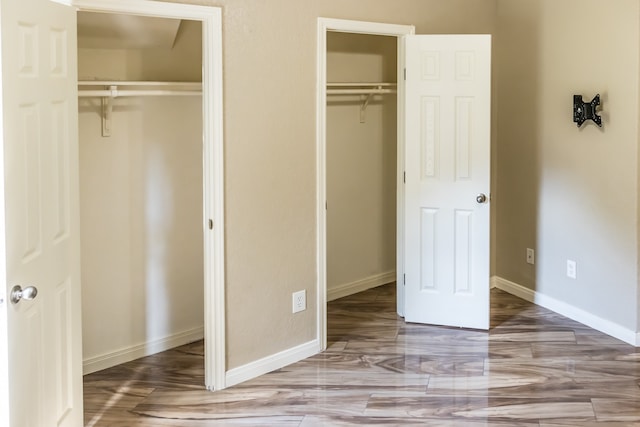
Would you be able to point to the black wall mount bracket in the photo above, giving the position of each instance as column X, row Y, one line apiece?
column 583, row 111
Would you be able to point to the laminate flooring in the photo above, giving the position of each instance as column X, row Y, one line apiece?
column 533, row 368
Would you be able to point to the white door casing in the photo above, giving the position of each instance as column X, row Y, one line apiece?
column 213, row 154
column 326, row 25
column 447, row 165
column 40, row 143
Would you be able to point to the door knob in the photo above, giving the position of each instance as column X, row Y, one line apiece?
column 481, row 198
column 28, row 293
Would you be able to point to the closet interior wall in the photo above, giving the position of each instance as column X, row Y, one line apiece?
column 141, row 205
column 361, row 166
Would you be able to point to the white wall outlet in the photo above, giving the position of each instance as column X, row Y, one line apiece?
column 572, row 269
column 531, row 256
column 299, row 301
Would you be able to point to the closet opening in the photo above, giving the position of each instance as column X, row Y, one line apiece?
column 376, row 49
column 151, row 182
column 141, row 185
column 361, row 159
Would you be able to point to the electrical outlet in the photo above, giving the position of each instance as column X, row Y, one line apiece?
column 531, row 256
column 572, row 269
column 299, row 301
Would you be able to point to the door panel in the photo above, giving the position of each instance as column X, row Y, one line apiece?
column 447, row 164
column 41, row 195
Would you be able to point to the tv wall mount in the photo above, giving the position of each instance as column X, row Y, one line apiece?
column 583, row 111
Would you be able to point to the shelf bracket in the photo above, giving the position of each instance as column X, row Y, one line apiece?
column 107, row 111
column 363, row 108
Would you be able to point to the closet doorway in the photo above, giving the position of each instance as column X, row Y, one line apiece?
column 452, row 72
column 361, row 134
column 359, row 149
column 151, row 181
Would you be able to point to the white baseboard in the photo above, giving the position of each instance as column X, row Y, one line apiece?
column 127, row 354
column 271, row 363
column 347, row 289
column 568, row 310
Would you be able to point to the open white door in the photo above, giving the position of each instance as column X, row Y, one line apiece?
column 39, row 139
column 447, row 165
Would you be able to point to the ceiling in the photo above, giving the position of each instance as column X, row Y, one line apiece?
column 114, row 31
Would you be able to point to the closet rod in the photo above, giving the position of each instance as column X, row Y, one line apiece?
column 366, row 89
column 359, row 91
column 360, row 84
column 193, row 85
column 110, row 91
column 120, row 93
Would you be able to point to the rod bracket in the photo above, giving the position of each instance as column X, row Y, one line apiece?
column 107, row 110
column 363, row 107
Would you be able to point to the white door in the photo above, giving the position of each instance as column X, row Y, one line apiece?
column 447, row 165
column 39, row 137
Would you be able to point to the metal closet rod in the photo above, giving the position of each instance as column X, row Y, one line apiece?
column 368, row 89
column 116, row 93
column 110, row 91
column 361, row 88
column 144, row 88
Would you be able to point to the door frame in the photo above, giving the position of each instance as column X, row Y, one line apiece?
column 213, row 163
column 213, row 204
column 326, row 25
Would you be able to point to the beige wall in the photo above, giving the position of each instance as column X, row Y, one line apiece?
column 564, row 191
column 141, row 204
column 269, row 106
column 361, row 163
column 569, row 193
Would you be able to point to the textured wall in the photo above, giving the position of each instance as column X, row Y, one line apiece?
column 566, row 192
column 270, row 111
column 569, row 193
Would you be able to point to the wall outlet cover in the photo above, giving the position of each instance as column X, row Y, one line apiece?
column 531, row 256
column 572, row 269
column 299, row 301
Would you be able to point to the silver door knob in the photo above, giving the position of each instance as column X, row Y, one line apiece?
column 481, row 198
column 28, row 293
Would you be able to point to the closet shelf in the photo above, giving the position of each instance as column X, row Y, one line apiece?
column 365, row 89
column 109, row 90
column 361, row 88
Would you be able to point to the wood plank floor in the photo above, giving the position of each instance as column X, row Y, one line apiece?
column 534, row 368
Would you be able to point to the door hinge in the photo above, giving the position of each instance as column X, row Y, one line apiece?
column 326, row 206
column 210, row 224
column 405, row 74
column 404, row 177
column 404, row 279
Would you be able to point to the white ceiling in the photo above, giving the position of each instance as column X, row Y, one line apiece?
column 113, row 31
